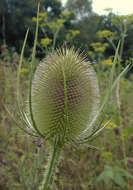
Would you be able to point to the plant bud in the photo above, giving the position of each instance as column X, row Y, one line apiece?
column 65, row 94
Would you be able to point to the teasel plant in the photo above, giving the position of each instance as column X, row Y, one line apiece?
column 63, row 102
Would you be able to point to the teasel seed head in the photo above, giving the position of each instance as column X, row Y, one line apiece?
column 65, row 95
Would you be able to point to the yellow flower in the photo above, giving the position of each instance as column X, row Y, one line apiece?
column 99, row 49
column 104, row 33
column 98, row 46
column 34, row 19
column 24, row 70
column 43, row 14
column 90, row 53
column 105, row 44
column 71, row 34
column 56, row 24
column 60, row 21
column 74, row 32
column 53, row 25
column 45, row 41
column 107, row 62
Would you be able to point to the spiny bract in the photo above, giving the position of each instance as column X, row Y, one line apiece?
column 65, row 94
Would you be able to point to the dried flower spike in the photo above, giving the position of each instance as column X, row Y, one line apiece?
column 65, row 95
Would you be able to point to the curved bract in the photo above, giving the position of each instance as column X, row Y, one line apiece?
column 64, row 94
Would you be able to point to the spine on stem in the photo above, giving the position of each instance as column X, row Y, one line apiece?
column 51, row 167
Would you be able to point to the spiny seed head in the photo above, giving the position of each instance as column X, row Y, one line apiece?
column 64, row 94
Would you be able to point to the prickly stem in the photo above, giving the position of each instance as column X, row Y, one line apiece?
column 53, row 160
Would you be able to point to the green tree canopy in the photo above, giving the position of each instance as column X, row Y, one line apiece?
column 81, row 8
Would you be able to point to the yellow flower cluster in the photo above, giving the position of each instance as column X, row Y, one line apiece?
column 107, row 62
column 104, row 33
column 60, row 21
column 74, row 32
column 45, row 41
column 34, row 19
column 43, row 14
column 90, row 53
column 41, row 17
column 71, row 34
column 56, row 24
column 53, row 25
column 99, row 47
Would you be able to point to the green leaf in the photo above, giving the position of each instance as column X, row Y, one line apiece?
column 114, row 174
column 123, row 172
column 118, row 179
column 106, row 175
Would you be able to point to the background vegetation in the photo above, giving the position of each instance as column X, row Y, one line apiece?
column 22, row 158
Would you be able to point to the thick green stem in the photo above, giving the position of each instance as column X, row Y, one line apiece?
column 51, row 167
